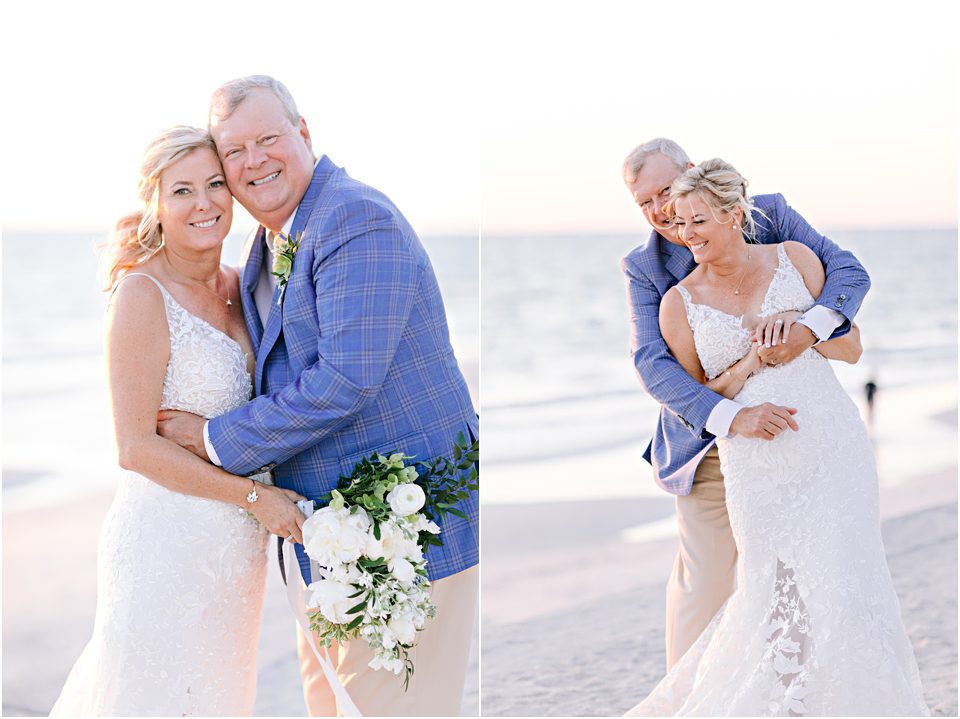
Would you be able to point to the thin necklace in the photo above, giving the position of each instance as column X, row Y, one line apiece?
column 743, row 274
column 202, row 286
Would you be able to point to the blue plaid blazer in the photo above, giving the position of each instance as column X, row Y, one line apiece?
column 681, row 440
column 356, row 358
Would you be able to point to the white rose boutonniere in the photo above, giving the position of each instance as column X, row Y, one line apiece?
column 284, row 250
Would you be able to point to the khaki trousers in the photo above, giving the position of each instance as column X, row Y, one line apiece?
column 705, row 569
column 440, row 656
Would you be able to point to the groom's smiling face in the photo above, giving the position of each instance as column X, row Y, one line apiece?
column 651, row 191
column 267, row 160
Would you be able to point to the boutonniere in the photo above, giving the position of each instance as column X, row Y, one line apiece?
column 284, row 250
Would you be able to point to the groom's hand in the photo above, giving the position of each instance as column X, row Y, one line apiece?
column 765, row 421
column 183, row 428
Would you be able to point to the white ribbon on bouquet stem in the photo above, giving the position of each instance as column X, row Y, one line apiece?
column 295, row 595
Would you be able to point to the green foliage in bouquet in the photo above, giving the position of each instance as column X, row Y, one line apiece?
column 443, row 483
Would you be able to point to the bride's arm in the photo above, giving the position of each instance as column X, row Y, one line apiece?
column 679, row 338
column 138, row 349
column 845, row 349
column 733, row 378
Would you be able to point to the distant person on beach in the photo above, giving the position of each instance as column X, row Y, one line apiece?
column 180, row 571
column 870, row 391
column 353, row 357
column 814, row 626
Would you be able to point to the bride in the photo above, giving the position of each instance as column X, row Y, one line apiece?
column 182, row 554
column 814, row 627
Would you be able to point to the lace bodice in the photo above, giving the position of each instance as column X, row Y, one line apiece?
column 207, row 370
column 720, row 338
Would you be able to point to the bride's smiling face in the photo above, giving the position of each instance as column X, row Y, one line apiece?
column 194, row 206
column 708, row 232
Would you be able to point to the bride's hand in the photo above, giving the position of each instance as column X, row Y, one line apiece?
column 276, row 509
column 775, row 328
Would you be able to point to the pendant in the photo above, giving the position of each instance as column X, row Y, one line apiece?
column 229, row 303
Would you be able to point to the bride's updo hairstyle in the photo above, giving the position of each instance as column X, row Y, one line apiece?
column 722, row 188
column 137, row 236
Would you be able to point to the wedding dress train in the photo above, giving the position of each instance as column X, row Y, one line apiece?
column 814, row 626
column 180, row 579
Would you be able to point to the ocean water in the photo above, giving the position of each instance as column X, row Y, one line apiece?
column 57, row 429
column 564, row 416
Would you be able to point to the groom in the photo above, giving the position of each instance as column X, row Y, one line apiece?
column 683, row 450
column 353, row 356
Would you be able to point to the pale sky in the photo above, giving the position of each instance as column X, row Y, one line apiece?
column 86, row 85
column 521, row 112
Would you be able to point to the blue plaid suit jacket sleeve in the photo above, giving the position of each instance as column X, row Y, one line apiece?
column 366, row 279
column 847, row 281
column 659, row 373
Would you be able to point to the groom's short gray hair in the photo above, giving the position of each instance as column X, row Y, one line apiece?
column 229, row 95
column 638, row 155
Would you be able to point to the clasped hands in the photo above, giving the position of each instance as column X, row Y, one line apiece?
column 275, row 508
column 773, row 338
column 779, row 339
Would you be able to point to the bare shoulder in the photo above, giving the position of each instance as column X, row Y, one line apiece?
column 673, row 314
column 803, row 258
column 807, row 264
column 137, row 292
column 672, row 303
column 137, row 310
column 799, row 253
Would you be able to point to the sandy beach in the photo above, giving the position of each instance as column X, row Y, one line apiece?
column 49, row 599
column 573, row 598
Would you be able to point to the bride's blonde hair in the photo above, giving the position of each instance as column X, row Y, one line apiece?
column 722, row 187
column 137, row 236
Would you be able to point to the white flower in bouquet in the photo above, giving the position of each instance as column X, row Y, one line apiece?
column 333, row 600
column 395, row 541
column 405, row 499
column 422, row 524
column 381, row 661
column 402, row 569
column 336, row 536
column 404, row 627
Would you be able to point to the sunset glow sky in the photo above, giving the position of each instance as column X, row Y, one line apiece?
column 521, row 113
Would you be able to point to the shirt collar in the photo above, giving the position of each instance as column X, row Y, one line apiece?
column 289, row 223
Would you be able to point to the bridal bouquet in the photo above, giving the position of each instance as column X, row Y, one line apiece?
column 369, row 541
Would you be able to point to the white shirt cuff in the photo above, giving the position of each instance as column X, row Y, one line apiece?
column 208, row 445
column 720, row 419
column 822, row 321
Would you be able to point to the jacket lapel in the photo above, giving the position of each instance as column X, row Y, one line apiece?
column 271, row 333
column 679, row 260
column 251, row 273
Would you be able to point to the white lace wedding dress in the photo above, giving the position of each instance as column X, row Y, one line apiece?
column 180, row 579
column 814, row 626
